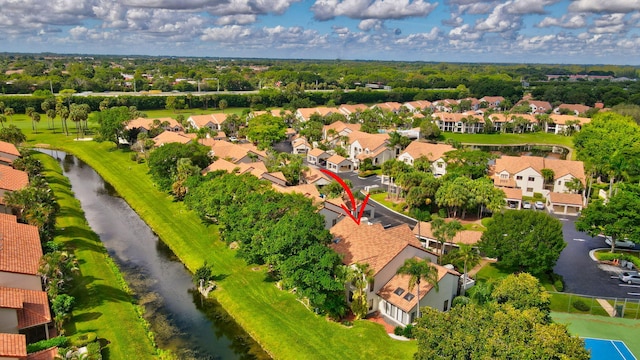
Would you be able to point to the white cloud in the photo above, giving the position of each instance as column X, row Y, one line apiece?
column 278, row 37
column 371, row 9
column 500, row 21
column 605, row 6
column 566, row 21
column 370, row 24
column 464, row 33
column 236, row 19
column 610, row 23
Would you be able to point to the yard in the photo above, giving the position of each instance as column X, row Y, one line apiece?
column 276, row 319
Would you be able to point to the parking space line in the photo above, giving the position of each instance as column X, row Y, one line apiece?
column 635, row 294
column 627, row 285
column 581, row 240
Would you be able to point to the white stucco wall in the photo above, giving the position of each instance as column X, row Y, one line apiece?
column 22, row 281
column 524, row 183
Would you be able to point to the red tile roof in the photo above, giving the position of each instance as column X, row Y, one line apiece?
column 34, row 309
column 469, row 237
column 370, row 244
column 12, row 179
column 13, row 345
column 402, row 281
column 147, row 123
column 568, row 199
column 21, row 249
column 49, row 354
column 433, row 152
column 9, row 148
column 10, row 298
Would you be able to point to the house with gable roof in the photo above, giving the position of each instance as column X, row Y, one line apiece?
column 168, row 137
column 385, row 250
column 419, row 105
column 525, row 173
column 391, row 106
column 212, row 121
column 318, row 157
column 304, row 114
column 575, row 109
column 339, row 164
column 424, row 232
column 433, row 152
column 493, row 102
column 334, row 131
column 146, row 124
column 363, row 146
column 467, row 122
column 352, row 110
column 300, row 146
column 559, row 124
column 8, row 153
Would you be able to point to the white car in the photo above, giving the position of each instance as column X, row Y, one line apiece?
column 526, row 205
column 630, row 277
column 539, row 205
column 626, row 243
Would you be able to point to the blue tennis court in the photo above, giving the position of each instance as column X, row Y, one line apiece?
column 603, row 349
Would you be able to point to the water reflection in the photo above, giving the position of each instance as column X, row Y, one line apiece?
column 184, row 322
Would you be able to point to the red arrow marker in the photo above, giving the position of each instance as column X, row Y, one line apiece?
column 351, row 197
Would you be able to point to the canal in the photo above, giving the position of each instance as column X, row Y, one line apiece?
column 183, row 321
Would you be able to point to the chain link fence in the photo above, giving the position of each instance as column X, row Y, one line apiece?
column 595, row 305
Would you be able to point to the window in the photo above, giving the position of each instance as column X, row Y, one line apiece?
column 504, row 176
column 531, row 178
column 518, row 177
column 370, row 304
column 334, row 221
column 446, row 305
column 371, row 284
column 529, row 189
column 413, row 317
column 440, row 165
column 559, row 182
column 399, row 291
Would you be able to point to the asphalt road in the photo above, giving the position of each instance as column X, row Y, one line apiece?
column 581, row 274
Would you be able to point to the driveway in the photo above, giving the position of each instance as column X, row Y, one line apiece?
column 583, row 275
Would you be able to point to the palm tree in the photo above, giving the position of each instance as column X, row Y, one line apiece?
column 8, row 111
column 469, row 256
column 3, row 119
column 360, row 276
column 419, row 270
column 547, row 175
column 444, row 231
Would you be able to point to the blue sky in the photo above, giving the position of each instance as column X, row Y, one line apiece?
column 522, row 31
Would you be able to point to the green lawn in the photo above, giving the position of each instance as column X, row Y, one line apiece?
column 101, row 300
column 188, row 112
column 504, row 139
column 603, row 328
column 396, row 206
column 276, row 319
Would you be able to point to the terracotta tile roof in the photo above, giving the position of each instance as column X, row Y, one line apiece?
column 49, row 354
column 307, row 190
column 402, row 281
column 255, row 168
column 322, row 111
column 418, row 104
column 351, row 109
column 468, row 237
column 336, row 159
column 229, row 151
column 21, row 249
column 568, row 199
column 167, row 137
column 252, row 148
column 340, row 126
column 299, row 142
column 433, row 152
column 512, row 193
column 492, row 99
column 35, row 307
column 147, row 123
column 202, row 120
column 317, row 152
column 313, row 175
column 368, row 141
column 456, row 117
column 574, row 107
column 10, row 298
column 12, row 179
column 370, row 244
column 372, row 154
column 562, row 119
column 388, row 106
column 278, row 175
column 9, row 148
column 13, row 345
column 510, row 182
column 566, row 167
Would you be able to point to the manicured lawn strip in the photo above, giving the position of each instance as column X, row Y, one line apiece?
column 188, row 112
column 101, row 301
column 281, row 324
column 601, row 327
column 505, row 139
column 564, row 303
column 382, row 199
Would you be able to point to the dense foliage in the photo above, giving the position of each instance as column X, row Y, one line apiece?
column 528, row 241
column 163, row 161
column 283, row 231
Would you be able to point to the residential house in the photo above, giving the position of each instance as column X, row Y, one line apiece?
column 537, row 107
column 8, row 153
column 236, row 153
column 419, row 105
column 433, row 152
column 385, row 250
column 315, row 177
column 333, row 132
column 300, row 146
column 493, row 102
column 338, row 164
column 212, row 121
column 12, row 346
column 391, row 106
column 257, row 168
column 525, row 173
column 424, row 232
column 559, row 124
column 352, row 110
column 566, row 204
column 20, row 253
column 168, row 137
column 146, row 124
column 445, row 105
column 11, row 180
column 318, row 157
column 304, row 114
column 467, row 122
column 474, row 104
column 575, row 109
column 363, row 146
column 25, row 312
column 512, row 197
column 333, row 211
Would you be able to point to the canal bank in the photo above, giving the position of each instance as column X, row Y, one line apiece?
column 183, row 322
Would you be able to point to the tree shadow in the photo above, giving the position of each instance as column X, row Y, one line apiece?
column 219, row 277
column 84, row 244
column 88, row 316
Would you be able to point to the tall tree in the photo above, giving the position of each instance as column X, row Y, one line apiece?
column 444, row 231
column 360, row 277
column 419, row 270
column 112, row 122
column 469, row 257
column 223, row 104
column 524, row 240
column 8, row 111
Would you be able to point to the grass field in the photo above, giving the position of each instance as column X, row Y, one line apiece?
column 504, row 139
column 100, row 297
column 603, row 328
column 276, row 319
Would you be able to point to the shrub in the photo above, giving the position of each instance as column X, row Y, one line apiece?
column 347, row 323
column 366, row 173
column 45, row 344
column 559, row 285
column 377, row 190
column 80, row 340
column 134, row 156
column 460, row 300
column 580, row 305
column 203, row 272
column 94, row 351
column 408, row 331
column 399, row 330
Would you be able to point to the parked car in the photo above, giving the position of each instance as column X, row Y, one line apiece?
column 526, row 205
column 539, row 205
column 626, row 243
column 630, row 277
